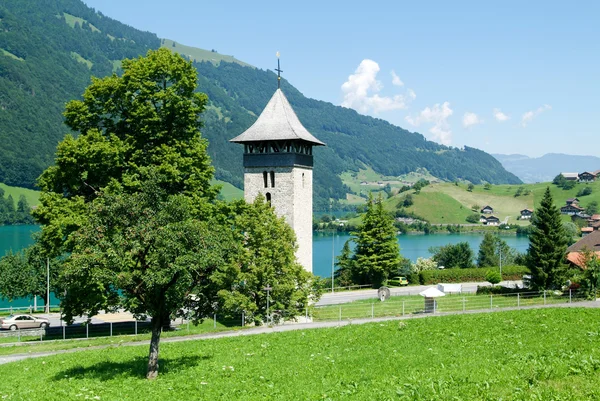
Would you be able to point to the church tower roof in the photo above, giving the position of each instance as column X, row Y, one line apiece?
column 277, row 122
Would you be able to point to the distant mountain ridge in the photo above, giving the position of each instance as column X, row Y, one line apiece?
column 49, row 49
column 548, row 166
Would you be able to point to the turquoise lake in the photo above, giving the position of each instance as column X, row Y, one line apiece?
column 325, row 246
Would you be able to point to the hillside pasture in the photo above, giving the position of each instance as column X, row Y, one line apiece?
column 547, row 354
column 31, row 195
column 199, row 55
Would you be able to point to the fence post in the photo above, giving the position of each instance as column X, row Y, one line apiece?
column 372, row 310
column 306, row 317
column 340, row 313
column 464, row 304
column 518, row 300
column 544, row 297
column 19, row 335
column 215, row 321
column 243, row 319
column 135, row 326
column 87, row 330
column 402, row 308
column 491, row 302
column 111, row 329
column 570, row 296
column 64, row 332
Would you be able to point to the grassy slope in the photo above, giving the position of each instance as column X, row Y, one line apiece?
column 228, row 191
column 519, row 355
column 198, row 55
column 31, row 195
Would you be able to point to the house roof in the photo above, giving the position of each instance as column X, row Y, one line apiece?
column 527, row 210
column 595, row 217
column 487, row 207
column 572, row 200
column 597, row 172
column 573, row 206
column 432, row 292
column 590, row 242
column 570, row 175
column 277, row 122
column 587, row 229
column 493, row 218
column 587, row 172
column 578, row 258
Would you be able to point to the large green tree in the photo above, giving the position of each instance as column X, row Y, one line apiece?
column 377, row 253
column 547, row 245
column 145, row 122
column 453, row 255
column 494, row 251
column 266, row 260
column 130, row 197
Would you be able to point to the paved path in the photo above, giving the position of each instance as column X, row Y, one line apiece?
column 349, row 296
column 291, row 327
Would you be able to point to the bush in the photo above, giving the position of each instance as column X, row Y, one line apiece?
column 584, row 191
column 473, row 218
column 493, row 277
column 458, row 275
column 499, row 290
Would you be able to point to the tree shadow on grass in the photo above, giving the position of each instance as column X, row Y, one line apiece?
column 135, row 367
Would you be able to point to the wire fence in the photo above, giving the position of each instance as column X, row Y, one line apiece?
column 398, row 306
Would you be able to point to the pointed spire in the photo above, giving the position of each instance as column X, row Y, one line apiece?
column 279, row 71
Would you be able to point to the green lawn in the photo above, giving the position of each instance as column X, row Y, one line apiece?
column 228, row 191
column 31, row 195
column 196, row 54
column 550, row 354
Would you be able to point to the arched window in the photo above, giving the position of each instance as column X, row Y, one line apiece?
column 265, row 179
column 269, row 198
column 272, row 179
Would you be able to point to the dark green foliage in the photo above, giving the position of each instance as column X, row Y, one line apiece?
column 451, row 256
column 587, row 190
column 547, row 245
column 35, row 90
column 519, row 192
column 408, row 201
column 494, row 250
column 344, row 263
column 470, row 187
column 377, row 254
column 590, row 280
column 473, row 218
column 487, row 186
column 592, row 208
column 11, row 215
column 469, row 275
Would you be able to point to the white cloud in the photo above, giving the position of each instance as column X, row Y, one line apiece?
column 396, row 79
column 438, row 116
column 530, row 115
column 361, row 91
column 500, row 116
column 471, row 119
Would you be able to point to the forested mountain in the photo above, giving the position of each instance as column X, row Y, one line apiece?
column 49, row 49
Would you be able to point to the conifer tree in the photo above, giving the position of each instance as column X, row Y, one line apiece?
column 377, row 253
column 547, row 245
column 487, row 252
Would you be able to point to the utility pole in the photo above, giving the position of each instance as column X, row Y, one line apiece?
column 267, row 289
column 47, row 285
column 332, row 248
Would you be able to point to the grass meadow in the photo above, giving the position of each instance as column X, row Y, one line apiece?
column 549, row 354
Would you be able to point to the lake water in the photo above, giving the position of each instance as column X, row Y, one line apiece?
column 325, row 247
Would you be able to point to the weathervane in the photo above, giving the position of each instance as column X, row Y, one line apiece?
column 279, row 71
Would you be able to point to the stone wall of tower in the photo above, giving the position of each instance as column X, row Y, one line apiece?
column 291, row 198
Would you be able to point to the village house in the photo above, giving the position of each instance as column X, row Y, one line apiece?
column 492, row 221
column 586, row 230
column 586, row 176
column 589, row 243
column 526, row 214
column 572, row 209
column 483, row 219
column 570, row 201
column 487, row 210
column 571, row 176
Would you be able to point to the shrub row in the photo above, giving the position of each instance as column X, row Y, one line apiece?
column 470, row 275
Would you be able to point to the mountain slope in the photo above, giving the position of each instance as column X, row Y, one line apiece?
column 50, row 48
column 548, row 166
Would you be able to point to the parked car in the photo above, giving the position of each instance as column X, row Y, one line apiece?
column 14, row 322
column 397, row 281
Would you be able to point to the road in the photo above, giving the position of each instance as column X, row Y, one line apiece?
column 350, row 296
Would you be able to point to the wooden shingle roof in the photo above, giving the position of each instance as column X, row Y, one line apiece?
column 591, row 242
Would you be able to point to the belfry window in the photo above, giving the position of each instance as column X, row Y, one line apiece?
column 269, row 198
column 265, row 179
column 272, row 179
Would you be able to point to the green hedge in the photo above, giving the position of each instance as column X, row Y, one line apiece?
column 458, row 275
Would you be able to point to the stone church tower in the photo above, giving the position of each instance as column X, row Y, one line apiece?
column 278, row 163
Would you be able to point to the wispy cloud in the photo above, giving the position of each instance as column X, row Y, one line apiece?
column 438, row 116
column 471, row 119
column 500, row 116
column 530, row 115
column 396, row 79
column 361, row 91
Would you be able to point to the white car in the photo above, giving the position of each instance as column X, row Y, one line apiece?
column 14, row 322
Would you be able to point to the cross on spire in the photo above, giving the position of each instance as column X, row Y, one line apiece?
column 279, row 71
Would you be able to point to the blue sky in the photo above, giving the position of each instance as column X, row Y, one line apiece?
column 505, row 77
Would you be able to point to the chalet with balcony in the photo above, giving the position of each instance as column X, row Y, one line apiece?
column 571, row 176
column 570, row 201
column 586, row 176
column 492, row 221
column 526, row 214
column 487, row 210
column 572, row 209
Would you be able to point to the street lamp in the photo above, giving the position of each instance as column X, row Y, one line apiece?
column 267, row 289
column 332, row 249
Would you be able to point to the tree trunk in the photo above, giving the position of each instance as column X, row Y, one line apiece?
column 154, row 344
